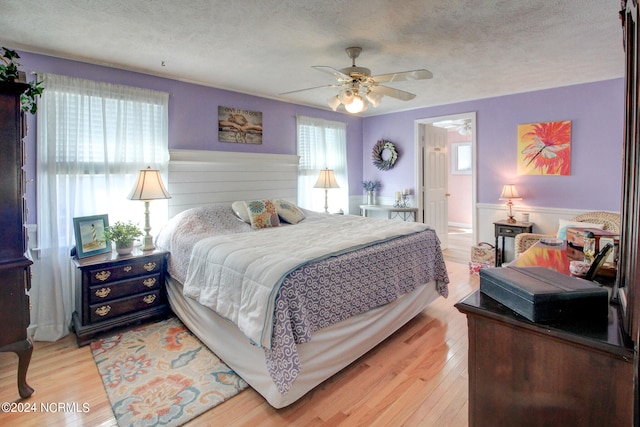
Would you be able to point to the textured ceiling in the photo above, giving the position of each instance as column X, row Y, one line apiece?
column 474, row 48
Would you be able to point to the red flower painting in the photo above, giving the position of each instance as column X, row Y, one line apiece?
column 544, row 148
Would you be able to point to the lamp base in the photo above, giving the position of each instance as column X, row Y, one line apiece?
column 147, row 243
column 510, row 217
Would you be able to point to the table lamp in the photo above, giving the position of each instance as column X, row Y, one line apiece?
column 148, row 187
column 509, row 193
column 326, row 180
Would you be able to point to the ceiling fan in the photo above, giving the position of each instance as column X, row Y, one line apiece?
column 360, row 88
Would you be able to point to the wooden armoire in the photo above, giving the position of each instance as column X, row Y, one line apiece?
column 15, row 272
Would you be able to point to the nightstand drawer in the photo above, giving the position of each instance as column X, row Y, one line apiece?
column 507, row 231
column 114, row 308
column 112, row 290
column 132, row 269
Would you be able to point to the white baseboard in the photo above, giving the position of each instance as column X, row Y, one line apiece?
column 459, row 225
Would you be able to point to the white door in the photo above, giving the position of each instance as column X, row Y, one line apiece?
column 435, row 206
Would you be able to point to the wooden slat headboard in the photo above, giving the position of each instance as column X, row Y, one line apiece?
column 203, row 178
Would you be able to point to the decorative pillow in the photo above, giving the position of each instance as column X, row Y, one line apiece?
column 262, row 213
column 240, row 209
column 288, row 212
column 564, row 224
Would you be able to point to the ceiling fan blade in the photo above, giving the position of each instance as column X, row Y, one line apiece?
column 335, row 73
column 403, row 76
column 393, row 93
column 309, row 88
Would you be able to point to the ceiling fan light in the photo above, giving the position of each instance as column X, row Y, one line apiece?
column 356, row 105
column 346, row 96
column 374, row 98
column 333, row 102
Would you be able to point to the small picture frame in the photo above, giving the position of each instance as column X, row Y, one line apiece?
column 89, row 233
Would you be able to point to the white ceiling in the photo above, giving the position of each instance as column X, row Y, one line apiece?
column 474, row 48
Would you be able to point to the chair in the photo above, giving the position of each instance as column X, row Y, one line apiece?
column 609, row 220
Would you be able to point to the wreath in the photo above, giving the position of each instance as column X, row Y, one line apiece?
column 378, row 160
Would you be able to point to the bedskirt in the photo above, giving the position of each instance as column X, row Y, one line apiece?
column 331, row 349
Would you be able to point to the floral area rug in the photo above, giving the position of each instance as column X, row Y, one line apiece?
column 161, row 375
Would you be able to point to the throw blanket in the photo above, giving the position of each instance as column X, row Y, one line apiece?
column 239, row 275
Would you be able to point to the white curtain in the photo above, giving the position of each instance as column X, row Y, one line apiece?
column 92, row 139
column 322, row 144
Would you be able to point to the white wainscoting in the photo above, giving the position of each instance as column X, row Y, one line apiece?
column 204, row 178
column 545, row 221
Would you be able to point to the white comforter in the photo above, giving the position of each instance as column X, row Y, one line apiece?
column 239, row 275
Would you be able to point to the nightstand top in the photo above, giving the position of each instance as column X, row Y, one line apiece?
column 114, row 257
column 514, row 224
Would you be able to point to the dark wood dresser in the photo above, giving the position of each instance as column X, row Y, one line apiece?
column 115, row 290
column 527, row 374
column 568, row 373
column 15, row 271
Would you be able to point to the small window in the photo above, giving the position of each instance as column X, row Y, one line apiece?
column 461, row 158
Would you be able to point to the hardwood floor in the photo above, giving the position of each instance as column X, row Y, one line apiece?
column 460, row 243
column 417, row 377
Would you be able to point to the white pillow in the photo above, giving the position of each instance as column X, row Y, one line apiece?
column 240, row 209
column 288, row 211
column 564, row 224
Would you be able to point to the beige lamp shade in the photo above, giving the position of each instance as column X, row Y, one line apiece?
column 149, row 186
column 326, row 179
column 509, row 192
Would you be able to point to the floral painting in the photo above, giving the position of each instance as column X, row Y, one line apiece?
column 544, row 148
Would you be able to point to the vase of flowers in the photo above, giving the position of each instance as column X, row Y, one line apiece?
column 123, row 235
column 371, row 187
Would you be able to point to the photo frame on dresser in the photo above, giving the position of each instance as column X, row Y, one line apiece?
column 89, row 234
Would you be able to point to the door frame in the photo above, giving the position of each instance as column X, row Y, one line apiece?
column 419, row 163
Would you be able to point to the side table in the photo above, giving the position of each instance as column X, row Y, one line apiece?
column 115, row 290
column 504, row 228
column 392, row 211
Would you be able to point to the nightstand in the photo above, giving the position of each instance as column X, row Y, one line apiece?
column 114, row 290
column 504, row 229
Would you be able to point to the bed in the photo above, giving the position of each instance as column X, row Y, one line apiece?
column 321, row 310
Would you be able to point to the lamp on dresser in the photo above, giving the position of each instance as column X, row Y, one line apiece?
column 326, row 180
column 148, row 187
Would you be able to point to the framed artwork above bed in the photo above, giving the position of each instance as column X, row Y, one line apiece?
column 238, row 125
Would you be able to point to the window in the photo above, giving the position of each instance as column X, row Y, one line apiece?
column 92, row 140
column 461, row 158
column 322, row 144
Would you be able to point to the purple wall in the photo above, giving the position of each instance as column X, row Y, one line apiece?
column 193, row 114
column 596, row 111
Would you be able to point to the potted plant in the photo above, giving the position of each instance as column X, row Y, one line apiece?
column 9, row 73
column 123, row 235
column 371, row 187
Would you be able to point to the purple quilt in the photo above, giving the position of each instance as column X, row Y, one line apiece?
column 320, row 294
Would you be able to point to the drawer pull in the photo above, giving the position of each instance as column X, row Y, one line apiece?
column 149, row 282
column 102, row 293
column 103, row 311
column 103, row 275
column 150, row 266
column 149, row 299
column 127, row 269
